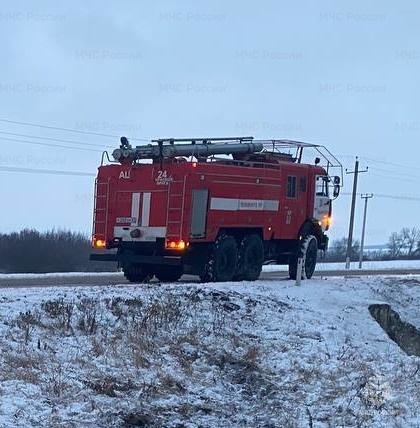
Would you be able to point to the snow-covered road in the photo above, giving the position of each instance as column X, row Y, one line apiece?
column 320, row 267
column 273, row 272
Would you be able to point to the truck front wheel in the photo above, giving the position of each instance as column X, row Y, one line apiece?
column 308, row 251
column 221, row 263
column 136, row 273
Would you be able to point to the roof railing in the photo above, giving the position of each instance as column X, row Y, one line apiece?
column 211, row 146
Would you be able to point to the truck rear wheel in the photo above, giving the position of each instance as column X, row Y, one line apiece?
column 168, row 273
column 221, row 264
column 136, row 273
column 308, row 250
column 250, row 258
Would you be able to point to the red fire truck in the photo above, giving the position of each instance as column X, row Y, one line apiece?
column 218, row 208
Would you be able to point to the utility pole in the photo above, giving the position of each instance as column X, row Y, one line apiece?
column 365, row 196
column 356, row 173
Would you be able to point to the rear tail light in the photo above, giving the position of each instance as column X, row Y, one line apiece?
column 176, row 245
column 98, row 242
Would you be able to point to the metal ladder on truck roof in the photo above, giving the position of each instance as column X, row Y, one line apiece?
column 175, row 209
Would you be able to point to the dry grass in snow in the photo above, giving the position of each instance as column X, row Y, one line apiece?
column 263, row 354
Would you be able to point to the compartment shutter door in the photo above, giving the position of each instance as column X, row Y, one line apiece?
column 199, row 212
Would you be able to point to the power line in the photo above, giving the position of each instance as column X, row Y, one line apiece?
column 45, row 171
column 392, row 173
column 394, row 177
column 396, row 173
column 37, row 143
column 387, row 196
column 390, row 163
column 57, row 128
column 401, row 197
column 382, row 162
column 53, row 139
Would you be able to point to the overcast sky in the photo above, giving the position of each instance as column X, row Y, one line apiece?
column 343, row 74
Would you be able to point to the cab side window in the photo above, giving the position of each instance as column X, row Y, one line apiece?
column 291, row 187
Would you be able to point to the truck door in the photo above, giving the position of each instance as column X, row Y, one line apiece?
column 322, row 205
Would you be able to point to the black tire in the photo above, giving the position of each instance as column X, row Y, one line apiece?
column 250, row 258
column 308, row 250
column 137, row 273
column 221, row 263
column 168, row 273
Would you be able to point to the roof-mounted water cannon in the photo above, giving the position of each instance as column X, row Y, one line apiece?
column 124, row 153
column 197, row 147
column 125, row 145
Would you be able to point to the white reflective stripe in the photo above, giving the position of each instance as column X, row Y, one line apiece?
column 227, row 204
column 145, row 210
column 232, row 204
column 135, row 208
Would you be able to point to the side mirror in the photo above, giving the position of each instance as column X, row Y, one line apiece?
column 336, row 191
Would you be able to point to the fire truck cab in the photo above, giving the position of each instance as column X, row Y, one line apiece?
column 218, row 208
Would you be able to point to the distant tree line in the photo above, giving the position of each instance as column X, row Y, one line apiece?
column 31, row 251
column 337, row 251
column 404, row 244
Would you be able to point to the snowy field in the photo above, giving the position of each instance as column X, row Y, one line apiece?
column 262, row 354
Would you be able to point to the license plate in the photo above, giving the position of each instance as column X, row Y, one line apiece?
column 126, row 220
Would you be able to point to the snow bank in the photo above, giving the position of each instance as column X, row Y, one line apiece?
column 265, row 353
